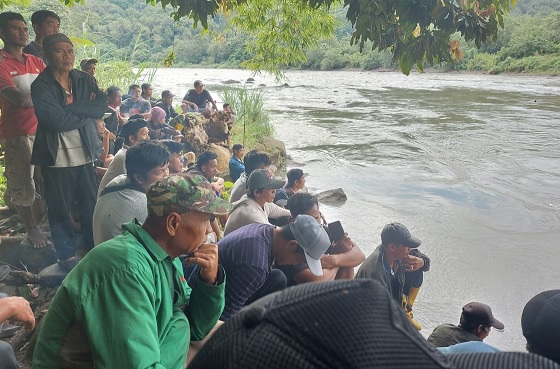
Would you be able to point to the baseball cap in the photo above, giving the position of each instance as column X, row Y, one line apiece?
column 198, row 83
column 166, row 93
column 262, row 178
column 50, row 40
column 313, row 239
column 540, row 320
column 85, row 62
column 132, row 127
column 399, row 234
column 295, row 174
column 184, row 192
column 482, row 314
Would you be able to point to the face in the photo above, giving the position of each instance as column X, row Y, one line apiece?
column 100, row 126
column 61, row 57
column 228, row 109
column 168, row 100
column 148, row 91
column 175, row 163
column 116, row 99
column 48, row 27
column 141, row 135
column 239, row 153
column 266, row 195
column 211, row 168
column 135, row 93
column 91, row 69
column 16, row 33
column 199, row 89
column 314, row 212
column 300, row 183
column 190, row 232
column 153, row 175
column 401, row 251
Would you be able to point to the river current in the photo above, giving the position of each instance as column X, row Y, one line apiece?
column 469, row 163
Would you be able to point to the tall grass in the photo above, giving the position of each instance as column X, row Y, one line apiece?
column 253, row 122
column 2, row 184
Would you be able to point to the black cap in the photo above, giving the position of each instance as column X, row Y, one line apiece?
column 132, row 127
column 398, row 234
column 540, row 321
column 262, row 178
column 198, row 83
column 166, row 93
column 481, row 314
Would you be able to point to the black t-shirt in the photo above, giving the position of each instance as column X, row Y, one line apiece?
column 199, row 99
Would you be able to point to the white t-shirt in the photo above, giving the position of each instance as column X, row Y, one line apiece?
column 248, row 211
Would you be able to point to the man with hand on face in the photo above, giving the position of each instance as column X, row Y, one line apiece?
column 127, row 303
column 398, row 265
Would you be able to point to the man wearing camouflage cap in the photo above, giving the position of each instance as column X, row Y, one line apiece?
column 127, row 304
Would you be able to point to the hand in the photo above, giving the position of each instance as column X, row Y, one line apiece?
column 206, row 257
column 412, row 263
column 20, row 311
column 329, row 261
column 343, row 245
column 112, row 136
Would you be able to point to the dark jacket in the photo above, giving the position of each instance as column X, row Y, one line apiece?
column 54, row 116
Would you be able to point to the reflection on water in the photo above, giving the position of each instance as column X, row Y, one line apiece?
column 470, row 163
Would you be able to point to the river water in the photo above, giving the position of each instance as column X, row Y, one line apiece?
column 469, row 163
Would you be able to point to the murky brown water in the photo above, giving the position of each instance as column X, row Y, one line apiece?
column 469, row 163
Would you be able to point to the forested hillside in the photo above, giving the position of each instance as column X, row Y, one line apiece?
column 134, row 31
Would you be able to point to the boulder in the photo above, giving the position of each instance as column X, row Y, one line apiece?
column 336, row 195
column 276, row 149
column 223, row 158
column 230, row 82
column 250, row 80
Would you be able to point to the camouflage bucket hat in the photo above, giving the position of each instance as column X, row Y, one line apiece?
column 182, row 193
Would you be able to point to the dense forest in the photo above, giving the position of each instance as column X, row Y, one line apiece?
column 134, row 31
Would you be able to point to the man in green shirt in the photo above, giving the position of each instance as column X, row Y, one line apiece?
column 126, row 304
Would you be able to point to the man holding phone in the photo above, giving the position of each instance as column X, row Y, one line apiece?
column 342, row 256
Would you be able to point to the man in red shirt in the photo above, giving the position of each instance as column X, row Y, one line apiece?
column 18, row 123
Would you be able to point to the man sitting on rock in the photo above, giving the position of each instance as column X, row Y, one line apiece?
column 247, row 255
column 398, row 265
column 197, row 99
column 474, row 325
column 256, row 206
column 339, row 262
column 124, row 198
column 135, row 104
column 127, row 303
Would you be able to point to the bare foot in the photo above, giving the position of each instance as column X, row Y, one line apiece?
column 37, row 239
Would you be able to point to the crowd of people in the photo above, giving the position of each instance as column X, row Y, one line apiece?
column 137, row 224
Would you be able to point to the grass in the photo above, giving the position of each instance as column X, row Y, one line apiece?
column 2, row 184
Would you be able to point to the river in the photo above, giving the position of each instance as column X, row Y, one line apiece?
column 469, row 163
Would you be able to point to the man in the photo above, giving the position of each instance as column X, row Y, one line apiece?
column 236, row 166
column 124, row 198
column 166, row 103
column 256, row 206
column 13, row 309
column 474, row 325
column 68, row 105
column 252, row 161
column 44, row 23
column 247, row 255
column 135, row 104
column 89, row 66
column 18, row 123
column 197, row 99
column 390, row 263
column 127, row 304
column 147, row 91
column 175, row 156
column 115, row 121
column 296, row 182
column 132, row 133
column 340, row 261
column 540, row 323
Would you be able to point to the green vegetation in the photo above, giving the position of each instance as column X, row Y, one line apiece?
column 2, row 184
column 252, row 121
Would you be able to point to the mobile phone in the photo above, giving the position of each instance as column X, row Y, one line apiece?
column 336, row 232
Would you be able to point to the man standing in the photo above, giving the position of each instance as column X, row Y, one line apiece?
column 18, row 123
column 197, row 98
column 147, row 91
column 135, row 104
column 248, row 253
column 236, row 166
column 474, row 325
column 127, row 303
column 390, row 263
column 44, row 23
column 68, row 105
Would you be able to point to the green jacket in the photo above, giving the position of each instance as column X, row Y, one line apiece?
column 127, row 305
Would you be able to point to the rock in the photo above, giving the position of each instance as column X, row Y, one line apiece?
column 223, row 158
column 18, row 251
column 329, row 196
column 331, row 102
column 276, row 149
column 230, row 82
column 262, row 85
column 286, row 85
column 52, row 276
column 250, row 80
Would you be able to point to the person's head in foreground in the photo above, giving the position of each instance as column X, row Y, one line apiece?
column 146, row 163
column 540, row 323
column 477, row 319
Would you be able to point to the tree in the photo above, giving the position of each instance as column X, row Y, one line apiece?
column 415, row 32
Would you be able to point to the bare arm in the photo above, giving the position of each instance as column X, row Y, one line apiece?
column 17, row 97
column 350, row 258
column 306, row 276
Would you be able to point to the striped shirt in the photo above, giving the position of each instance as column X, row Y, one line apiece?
column 246, row 256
